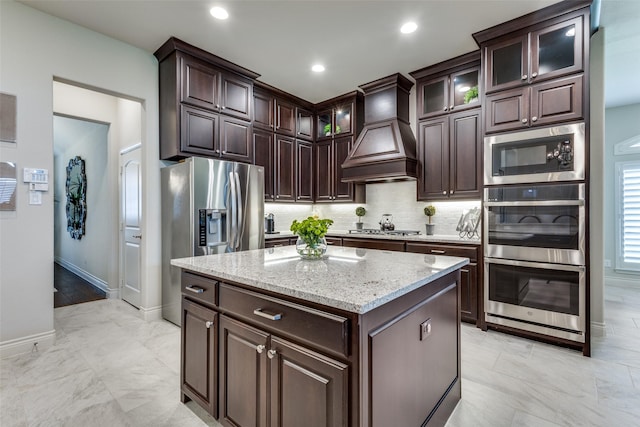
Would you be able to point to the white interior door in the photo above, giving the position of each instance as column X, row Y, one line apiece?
column 130, row 224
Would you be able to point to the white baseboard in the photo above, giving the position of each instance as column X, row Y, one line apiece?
column 93, row 280
column 153, row 313
column 598, row 329
column 26, row 344
column 113, row 293
column 623, row 282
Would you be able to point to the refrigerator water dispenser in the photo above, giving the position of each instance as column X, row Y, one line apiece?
column 212, row 230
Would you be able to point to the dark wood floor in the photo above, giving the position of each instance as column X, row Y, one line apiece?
column 72, row 289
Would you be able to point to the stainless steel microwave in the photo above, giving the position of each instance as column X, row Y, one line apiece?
column 548, row 154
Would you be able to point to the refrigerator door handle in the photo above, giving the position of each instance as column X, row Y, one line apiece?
column 239, row 213
column 234, row 207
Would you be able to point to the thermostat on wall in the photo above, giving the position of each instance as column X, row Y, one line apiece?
column 41, row 176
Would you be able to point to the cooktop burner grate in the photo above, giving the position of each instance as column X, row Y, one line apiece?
column 388, row 232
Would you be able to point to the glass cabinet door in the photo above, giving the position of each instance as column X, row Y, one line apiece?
column 464, row 89
column 557, row 50
column 325, row 124
column 343, row 119
column 507, row 64
column 434, row 97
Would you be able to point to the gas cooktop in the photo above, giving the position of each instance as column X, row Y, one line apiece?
column 388, row 232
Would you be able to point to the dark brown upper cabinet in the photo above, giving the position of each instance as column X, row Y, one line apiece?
column 205, row 104
column 263, row 109
column 285, row 118
column 448, row 93
column 263, row 155
column 339, row 116
column 545, row 51
column 450, row 157
column 285, row 169
column 304, row 124
column 553, row 101
column 304, row 171
column 329, row 155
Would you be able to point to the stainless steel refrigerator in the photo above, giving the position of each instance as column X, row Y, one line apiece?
column 208, row 207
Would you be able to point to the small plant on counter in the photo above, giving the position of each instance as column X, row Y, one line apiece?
column 430, row 211
column 360, row 212
column 311, row 232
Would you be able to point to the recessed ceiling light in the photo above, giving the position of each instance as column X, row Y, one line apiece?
column 317, row 68
column 409, row 27
column 218, row 12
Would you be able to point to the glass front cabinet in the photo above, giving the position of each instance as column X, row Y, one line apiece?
column 547, row 53
column 335, row 121
column 449, row 93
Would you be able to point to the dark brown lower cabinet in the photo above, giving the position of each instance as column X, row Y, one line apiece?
column 386, row 245
column 469, row 288
column 284, row 362
column 303, row 387
column 199, row 361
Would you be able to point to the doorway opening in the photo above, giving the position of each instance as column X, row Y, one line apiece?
column 94, row 126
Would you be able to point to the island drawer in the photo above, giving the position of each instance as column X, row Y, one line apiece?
column 449, row 250
column 200, row 288
column 314, row 327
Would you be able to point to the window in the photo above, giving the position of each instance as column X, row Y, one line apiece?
column 628, row 214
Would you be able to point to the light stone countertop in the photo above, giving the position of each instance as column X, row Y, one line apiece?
column 352, row 279
column 436, row 238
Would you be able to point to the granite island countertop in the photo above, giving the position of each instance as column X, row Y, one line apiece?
column 436, row 238
column 351, row 279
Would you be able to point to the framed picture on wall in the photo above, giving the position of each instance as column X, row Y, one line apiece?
column 8, row 117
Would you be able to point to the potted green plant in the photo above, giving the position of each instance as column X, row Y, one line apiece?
column 430, row 211
column 471, row 95
column 360, row 212
column 328, row 129
column 311, row 243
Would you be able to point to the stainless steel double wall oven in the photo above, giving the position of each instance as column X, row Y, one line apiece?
column 535, row 231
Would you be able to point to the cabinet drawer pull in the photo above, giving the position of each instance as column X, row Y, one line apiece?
column 208, row 324
column 260, row 348
column 195, row 289
column 435, row 251
column 259, row 312
column 271, row 354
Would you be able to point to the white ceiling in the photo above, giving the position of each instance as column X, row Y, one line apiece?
column 358, row 41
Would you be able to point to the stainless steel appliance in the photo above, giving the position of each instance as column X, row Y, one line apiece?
column 383, row 232
column 540, row 297
column 544, row 223
column 386, row 222
column 541, row 155
column 208, row 207
column 269, row 224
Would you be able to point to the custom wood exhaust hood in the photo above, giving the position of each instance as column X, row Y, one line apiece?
column 386, row 148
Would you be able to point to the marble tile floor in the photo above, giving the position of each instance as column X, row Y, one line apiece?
column 110, row 368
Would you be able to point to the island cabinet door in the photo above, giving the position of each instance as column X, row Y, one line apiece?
column 307, row 388
column 243, row 374
column 199, row 356
column 413, row 361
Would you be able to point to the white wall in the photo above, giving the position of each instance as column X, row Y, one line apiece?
column 622, row 123
column 88, row 256
column 35, row 48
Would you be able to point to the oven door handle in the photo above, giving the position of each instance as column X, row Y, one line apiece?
column 539, row 203
column 548, row 266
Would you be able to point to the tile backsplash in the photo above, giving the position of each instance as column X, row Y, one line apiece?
column 395, row 198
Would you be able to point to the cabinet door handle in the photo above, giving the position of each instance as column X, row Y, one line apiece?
column 524, row 77
column 195, row 289
column 524, row 120
column 534, row 75
column 446, row 109
column 259, row 312
column 450, row 107
column 534, row 118
column 439, row 252
column 271, row 354
column 260, row 348
column 223, row 107
column 208, row 324
column 444, row 192
column 218, row 106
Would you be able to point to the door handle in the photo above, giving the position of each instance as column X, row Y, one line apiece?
column 239, row 212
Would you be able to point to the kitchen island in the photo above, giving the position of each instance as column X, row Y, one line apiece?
column 360, row 338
